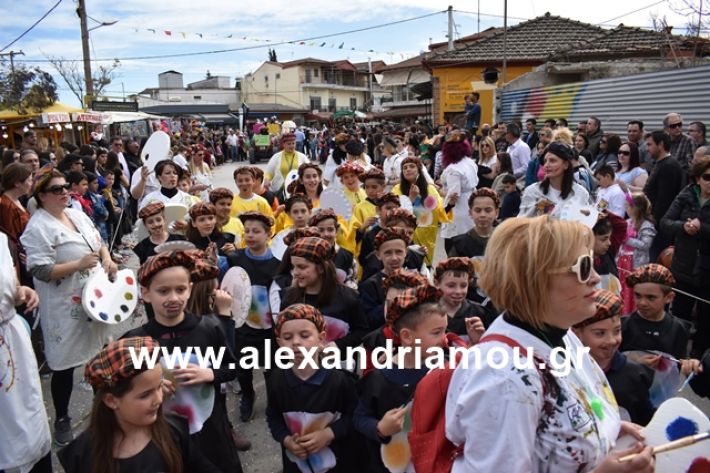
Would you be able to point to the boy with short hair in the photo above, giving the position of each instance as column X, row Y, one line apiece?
column 261, row 267
column 79, row 186
column 221, row 198
column 262, row 191
column 483, row 209
column 247, row 200
column 511, row 198
column 327, row 395
column 385, row 394
column 609, row 194
column 365, row 233
column 98, row 206
column 326, row 221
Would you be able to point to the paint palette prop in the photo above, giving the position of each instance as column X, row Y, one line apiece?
column 397, row 455
column 194, row 403
column 175, row 245
column 288, row 126
column 574, row 212
column 335, row 199
column 335, row 329
column 110, row 302
column 259, row 316
column 303, row 423
column 674, row 419
column 405, row 203
column 666, row 378
column 156, row 149
column 237, row 284
column 290, row 178
column 278, row 246
column 171, row 213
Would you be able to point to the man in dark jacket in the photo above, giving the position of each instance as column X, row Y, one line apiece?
column 594, row 135
column 532, row 137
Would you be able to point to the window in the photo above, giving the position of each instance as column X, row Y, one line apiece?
column 353, row 103
column 331, row 104
column 315, row 102
column 316, row 72
column 308, row 76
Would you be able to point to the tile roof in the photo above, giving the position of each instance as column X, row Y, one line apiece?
column 622, row 40
column 531, row 41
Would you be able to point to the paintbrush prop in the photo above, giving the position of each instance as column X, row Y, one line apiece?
column 674, row 445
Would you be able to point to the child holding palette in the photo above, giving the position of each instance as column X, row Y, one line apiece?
column 128, row 431
column 154, row 220
column 166, row 284
column 309, row 410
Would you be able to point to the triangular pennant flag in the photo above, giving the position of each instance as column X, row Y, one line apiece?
column 352, row 49
column 321, row 45
column 183, row 34
column 341, row 45
column 168, row 33
column 151, row 29
column 302, row 42
column 199, row 34
column 311, row 43
column 229, row 36
column 135, row 29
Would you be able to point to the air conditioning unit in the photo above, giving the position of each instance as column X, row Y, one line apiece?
column 175, row 99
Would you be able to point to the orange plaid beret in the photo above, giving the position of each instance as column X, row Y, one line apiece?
column 459, row 263
column 220, row 193
column 288, row 137
column 608, row 305
column 654, row 273
column 151, row 209
column 161, row 261
column 202, row 208
column 314, row 249
column 400, row 214
column 403, row 277
column 299, row 233
column 300, row 311
column 114, row 363
column 322, row 214
column 389, row 234
column 349, row 167
column 205, row 268
column 410, row 299
column 254, row 215
column 372, row 173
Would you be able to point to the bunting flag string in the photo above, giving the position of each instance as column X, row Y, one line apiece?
column 312, row 44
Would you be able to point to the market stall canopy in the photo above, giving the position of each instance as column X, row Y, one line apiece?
column 120, row 117
column 53, row 110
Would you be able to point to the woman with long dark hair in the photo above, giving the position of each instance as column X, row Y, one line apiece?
column 558, row 187
column 630, row 172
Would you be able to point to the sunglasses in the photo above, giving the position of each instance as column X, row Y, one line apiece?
column 58, row 189
column 624, row 153
column 675, row 125
column 583, row 267
column 705, row 177
column 485, row 145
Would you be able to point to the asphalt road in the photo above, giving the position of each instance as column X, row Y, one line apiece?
column 265, row 455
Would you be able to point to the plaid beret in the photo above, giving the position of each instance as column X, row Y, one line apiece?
column 161, row 261
column 220, row 193
column 349, row 167
column 413, row 160
column 410, row 299
column 608, row 305
column 322, row 214
column 254, row 215
column 314, row 249
column 400, row 214
column 151, row 209
column 372, row 173
column 654, row 273
column 202, row 208
column 403, row 277
column 388, row 198
column 205, row 267
column 389, row 234
column 299, row 233
column 300, row 311
column 302, row 169
column 341, row 138
column 288, row 137
column 484, row 192
column 114, row 363
column 459, row 263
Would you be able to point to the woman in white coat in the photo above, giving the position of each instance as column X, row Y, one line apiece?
column 63, row 247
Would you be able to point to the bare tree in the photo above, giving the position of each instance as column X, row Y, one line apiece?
column 71, row 72
column 698, row 18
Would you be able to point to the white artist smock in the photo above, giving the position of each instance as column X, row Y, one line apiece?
column 461, row 178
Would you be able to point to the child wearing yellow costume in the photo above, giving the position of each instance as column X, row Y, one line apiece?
column 349, row 172
column 222, row 198
column 365, row 212
column 247, row 200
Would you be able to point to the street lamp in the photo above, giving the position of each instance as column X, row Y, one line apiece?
column 81, row 11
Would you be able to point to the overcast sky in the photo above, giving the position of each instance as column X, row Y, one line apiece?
column 275, row 20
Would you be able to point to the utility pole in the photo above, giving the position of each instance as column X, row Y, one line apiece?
column 450, row 12
column 81, row 11
column 505, row 40
column 369, row 82
column 12, row 55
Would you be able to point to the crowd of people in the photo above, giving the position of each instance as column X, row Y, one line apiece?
column 524, row 266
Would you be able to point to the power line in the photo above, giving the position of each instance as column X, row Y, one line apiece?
column 632, row 12
column 259, row 46
column 33, row 25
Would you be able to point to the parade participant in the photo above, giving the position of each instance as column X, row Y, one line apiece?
column 63, row 246
column 540, row 273
column 365, row 212
column 284, row 276
column 483, row 207
column 221, row 198
column 558, row 187
column 349, row 173
column 315, row 283
column 392, row 162
column 309, row 183
column 263, row 191
column 154, row 221
column 384, row 394
column 297, row 212
column 453, row 277
column 282, row 163
column 23, row 418
column 185, row 185
column 365, row 234
column 460, row 179
column 337, row 156
column 168, row 174
column 128, row 431
column 200, row 173
column 261, row 267
column 426, row 201
column 324, row 393
column 166, row 284
column 630, row 381
column 326, row 221
column 202, row 229
column 247, row 200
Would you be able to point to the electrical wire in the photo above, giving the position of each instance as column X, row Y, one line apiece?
column 31, row 27
column 632, row 12
column 258, row 46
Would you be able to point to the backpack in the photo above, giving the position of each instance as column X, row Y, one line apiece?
column 431, row 451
